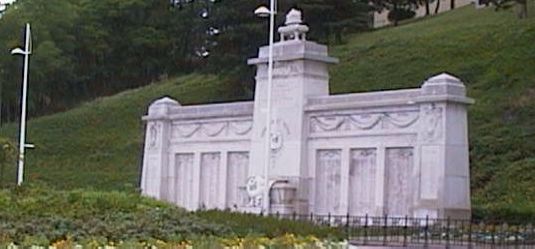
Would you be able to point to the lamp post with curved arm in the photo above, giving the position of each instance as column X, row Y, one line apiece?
column 263, row 11
column 22, row 137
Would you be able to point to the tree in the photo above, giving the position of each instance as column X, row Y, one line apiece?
column 85, row 48
column 398, row 9
column 332, row 18
column 521, row 5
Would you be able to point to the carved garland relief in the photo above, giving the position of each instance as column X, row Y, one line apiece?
column 213, row 129
column 368, row 121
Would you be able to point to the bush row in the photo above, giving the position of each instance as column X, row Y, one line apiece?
column 38, row 215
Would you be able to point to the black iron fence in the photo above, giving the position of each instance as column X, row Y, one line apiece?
column 414, row 232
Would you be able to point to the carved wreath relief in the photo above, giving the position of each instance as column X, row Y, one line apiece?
column 279, row 130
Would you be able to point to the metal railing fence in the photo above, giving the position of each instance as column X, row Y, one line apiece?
column 410, row 231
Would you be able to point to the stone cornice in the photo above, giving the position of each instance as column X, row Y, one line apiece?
column 292, row 57
column 382, row 99
column 226, row 110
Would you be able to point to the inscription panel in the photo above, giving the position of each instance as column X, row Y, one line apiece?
column 429, row 172
column 238, row 163
column 328, row 179
column 209, row 186
column 183, row 178
column 362, row 174
column 399, row 163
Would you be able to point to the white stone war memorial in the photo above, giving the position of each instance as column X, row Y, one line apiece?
column 395, row 153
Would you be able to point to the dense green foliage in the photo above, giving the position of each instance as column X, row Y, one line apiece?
column 40, row 215
column 83, row 49
column 98, row 145
column 246, row 224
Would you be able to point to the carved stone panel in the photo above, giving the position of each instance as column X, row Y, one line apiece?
column 183, row 178
column 209, row 189
column 398, row 198
column 154, row 130
column 362, row 174
column 238, row 163
column 431, row 125
column 328, row 179
column 284, row 69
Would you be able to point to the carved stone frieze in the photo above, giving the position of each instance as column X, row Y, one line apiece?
column 366, row 121
column 212, row 129
column 283, row 68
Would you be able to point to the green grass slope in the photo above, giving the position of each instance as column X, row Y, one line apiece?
column 98, row 145
column 494, row 54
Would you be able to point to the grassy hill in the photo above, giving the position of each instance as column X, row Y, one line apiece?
column 98, row 145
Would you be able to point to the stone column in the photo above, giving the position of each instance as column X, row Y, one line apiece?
column 444, row 189
column 156, row 159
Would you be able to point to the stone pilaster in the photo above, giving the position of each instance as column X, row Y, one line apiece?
column 156, row 172
column 444, row 188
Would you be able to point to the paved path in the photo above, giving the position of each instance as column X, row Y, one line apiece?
column 443, row 247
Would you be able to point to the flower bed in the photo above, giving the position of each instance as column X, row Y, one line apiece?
column 286, row 241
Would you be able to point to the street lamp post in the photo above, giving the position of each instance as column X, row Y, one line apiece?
column 263, row 11
column 22, row 138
